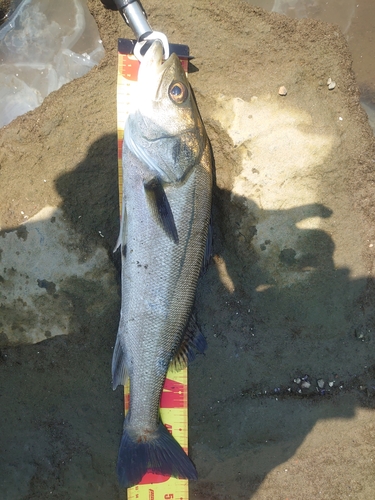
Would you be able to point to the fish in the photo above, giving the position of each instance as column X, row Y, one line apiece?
column 167, row 167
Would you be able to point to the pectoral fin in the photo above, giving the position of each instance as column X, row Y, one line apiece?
column 160, row 207
column 208, row 250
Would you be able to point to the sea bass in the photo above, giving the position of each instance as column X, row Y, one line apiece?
column 166, row 208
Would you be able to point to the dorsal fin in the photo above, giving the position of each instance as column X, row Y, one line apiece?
column 192, row 342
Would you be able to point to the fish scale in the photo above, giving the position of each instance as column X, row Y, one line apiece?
column 149, row 263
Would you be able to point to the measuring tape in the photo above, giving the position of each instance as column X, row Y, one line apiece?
column 173, row 402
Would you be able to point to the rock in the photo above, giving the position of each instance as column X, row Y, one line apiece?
column 44, row 275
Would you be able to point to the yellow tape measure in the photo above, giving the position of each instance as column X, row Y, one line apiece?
column 173, row 402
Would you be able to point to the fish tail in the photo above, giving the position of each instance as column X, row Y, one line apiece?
column 160, row 454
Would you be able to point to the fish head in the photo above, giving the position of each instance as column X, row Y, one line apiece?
column 165, row 130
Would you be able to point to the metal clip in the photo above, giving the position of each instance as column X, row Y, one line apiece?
column 135, row 16
column 154, row 35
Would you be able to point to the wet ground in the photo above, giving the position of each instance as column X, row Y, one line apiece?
column 357, row 22
column 281, row 406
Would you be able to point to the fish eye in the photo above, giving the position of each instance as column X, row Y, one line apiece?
column 178, row 92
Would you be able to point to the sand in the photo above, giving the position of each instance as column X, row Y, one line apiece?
column 281, row 405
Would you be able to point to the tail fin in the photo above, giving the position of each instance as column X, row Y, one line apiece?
column 162, row 455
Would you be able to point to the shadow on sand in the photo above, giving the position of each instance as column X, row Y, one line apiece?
column 268, row 321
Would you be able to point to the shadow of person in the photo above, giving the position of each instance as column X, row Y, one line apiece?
column 90, row 194
column 282, row 325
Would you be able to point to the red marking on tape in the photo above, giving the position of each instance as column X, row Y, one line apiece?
column 152, row 477
column 173, row 395
column 119, row 148
column 130, row 69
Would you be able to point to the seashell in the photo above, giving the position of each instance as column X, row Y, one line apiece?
column 332, row 85
column 320, row 383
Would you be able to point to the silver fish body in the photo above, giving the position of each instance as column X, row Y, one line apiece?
column 167, row 186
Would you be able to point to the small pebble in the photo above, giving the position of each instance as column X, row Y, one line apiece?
column 320, row 383
column 331, row 384
column 297, row 380
column 332, row 85
column 282, row 91
column 329, row 81
column 305, row 384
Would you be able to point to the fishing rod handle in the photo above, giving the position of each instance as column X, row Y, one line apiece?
column 135, row 16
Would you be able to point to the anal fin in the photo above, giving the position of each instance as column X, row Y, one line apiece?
column 160, row 207
column 119, row 373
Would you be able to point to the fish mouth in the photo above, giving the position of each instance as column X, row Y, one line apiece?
column 154, row 55
column 153, row 59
